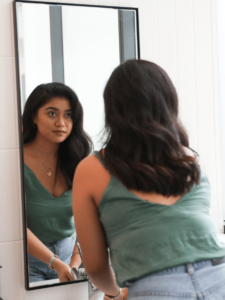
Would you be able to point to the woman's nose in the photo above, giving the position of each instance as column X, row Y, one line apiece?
column 60, row 122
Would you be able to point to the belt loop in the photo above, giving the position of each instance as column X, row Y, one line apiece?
column 190, row 269
column 128, row 283
column 218, row 261
column 56, row 248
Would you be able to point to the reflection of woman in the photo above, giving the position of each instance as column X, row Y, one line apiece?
column 54, row 143
column 146, row 198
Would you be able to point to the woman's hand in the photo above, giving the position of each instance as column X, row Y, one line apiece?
column 75, row 261
column 63, row 270
column 124, row 293
column 122, row 296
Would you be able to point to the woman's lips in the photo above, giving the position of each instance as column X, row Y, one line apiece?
column 59, row 131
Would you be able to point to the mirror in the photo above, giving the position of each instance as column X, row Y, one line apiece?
column 76, row 45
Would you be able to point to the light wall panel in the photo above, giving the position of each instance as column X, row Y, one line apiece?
column 78, row 294
column 218, row 15
column 167, row 38
column 167, row 30
column 128, row 3
column 149, row 34
column 38, row 295
column 220, row 215
column 11, row 273
column 204, row 92
column 186, row 68
column 10, row 217
column 6, row 29
column 90, row 2
column 8, row 104
column 57, row 293
column 109, row 2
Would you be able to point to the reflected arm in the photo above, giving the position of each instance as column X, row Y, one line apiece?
column 36, row 248
column 75, row 259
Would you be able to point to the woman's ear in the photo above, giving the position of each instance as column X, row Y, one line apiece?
column 34, row 118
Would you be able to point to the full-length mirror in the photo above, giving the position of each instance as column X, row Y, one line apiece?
column 62, row 49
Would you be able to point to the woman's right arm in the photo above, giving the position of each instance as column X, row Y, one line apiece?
column 36, row 248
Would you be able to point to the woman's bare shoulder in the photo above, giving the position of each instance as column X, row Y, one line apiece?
column 89, row 161
column 91, row 174
column 90, row 166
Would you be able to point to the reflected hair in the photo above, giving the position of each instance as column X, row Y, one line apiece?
column 78, row 144
column 144, row 145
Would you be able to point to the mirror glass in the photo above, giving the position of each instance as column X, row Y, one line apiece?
column 77, row 45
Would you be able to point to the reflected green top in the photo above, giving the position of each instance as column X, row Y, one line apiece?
column 48, row 217
column 146, row 237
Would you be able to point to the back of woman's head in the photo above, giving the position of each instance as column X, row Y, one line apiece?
column 145, row 140
column 78, row 143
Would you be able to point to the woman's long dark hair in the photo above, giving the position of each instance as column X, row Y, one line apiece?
column 78, row 144
column 144, row 144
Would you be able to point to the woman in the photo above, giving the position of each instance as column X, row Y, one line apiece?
column 146, row 198
column 54, row 144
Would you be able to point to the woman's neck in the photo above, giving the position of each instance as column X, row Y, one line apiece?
column 43, row 148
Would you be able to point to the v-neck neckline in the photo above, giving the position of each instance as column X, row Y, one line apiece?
column 43, row 187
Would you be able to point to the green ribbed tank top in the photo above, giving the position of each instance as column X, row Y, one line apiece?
column 49, row 218
column 146, row 237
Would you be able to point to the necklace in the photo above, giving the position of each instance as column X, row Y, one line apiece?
column 49, row 173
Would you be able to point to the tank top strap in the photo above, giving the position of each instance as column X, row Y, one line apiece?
column 97, row 154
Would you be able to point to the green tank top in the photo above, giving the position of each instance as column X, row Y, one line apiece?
column 145, row 237
column 48, row 217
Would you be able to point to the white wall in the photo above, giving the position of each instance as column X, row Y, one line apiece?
column 221, row 67
column 181, row 36
column 88, row 62
column 37, row 45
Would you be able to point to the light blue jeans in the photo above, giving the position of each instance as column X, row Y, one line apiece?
column 197, row 281
column 39, row 271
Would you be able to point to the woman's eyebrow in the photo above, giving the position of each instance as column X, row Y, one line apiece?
column 54, row 108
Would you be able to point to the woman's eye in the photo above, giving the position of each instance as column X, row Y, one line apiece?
column 69, row 115
column 52, row 114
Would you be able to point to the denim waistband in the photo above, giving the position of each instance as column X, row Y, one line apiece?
column 185, row 268
column 59, row 242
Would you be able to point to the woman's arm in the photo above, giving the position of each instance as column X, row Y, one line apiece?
column 89, row 230
column 36, row 248
column 75, row 258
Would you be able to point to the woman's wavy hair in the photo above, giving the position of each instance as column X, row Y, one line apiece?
column 78, row 144
column 144, row 138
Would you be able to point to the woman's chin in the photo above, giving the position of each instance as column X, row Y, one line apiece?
column 58, row 140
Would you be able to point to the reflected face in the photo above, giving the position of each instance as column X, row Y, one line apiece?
column 54, row 120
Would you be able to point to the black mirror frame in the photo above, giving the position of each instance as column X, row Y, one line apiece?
column 20, row 134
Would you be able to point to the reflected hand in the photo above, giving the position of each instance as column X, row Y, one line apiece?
column 63, row 270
